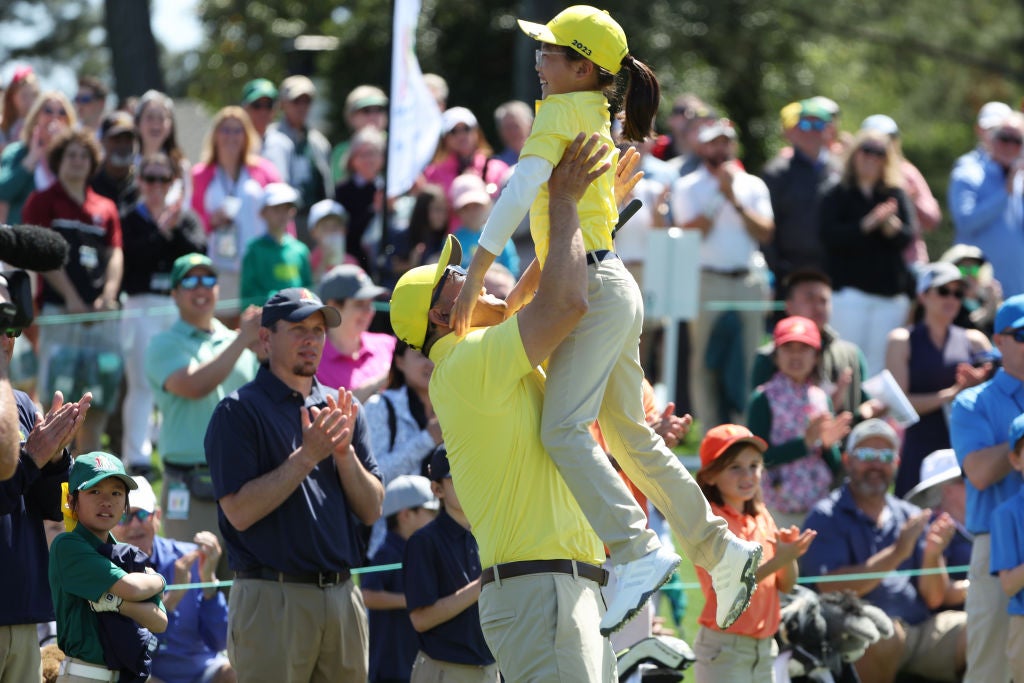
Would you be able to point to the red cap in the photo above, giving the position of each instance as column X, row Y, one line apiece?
column 796, row 328
column 718, row 440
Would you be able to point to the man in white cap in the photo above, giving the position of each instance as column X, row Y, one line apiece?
column 733, row 211
column 365, row 106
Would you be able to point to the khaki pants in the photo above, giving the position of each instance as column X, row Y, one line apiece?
column 19, row 653
column 297, row 633
column 428, row 670
column 202, row 516
column 1015, row 647
column 987, row 619
column 728, row 657
column 543, row 628
column 704, row 382
column 931, row 646
column 595, row 374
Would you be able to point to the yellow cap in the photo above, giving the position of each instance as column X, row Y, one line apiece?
column 410, row 300
column 790, row 115
column 587, row 30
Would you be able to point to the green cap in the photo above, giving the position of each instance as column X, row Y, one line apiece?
column 812, row 108
column 92, row 468
column 185, row 263
column 257, row 89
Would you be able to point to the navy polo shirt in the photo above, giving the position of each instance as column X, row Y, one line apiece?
column 441, row 558
column 393, row 643
column 846, row 536
column 252, row 432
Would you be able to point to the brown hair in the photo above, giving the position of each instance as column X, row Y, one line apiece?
column 59, row 146
column 251, row 148
column 751, row 507
column 9, row 115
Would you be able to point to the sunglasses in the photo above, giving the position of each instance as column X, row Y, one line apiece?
column 539, row 55
column 885, row 455
column 945, row 291
column 1009, row 138
column 196, row 281
column 50, row 111
column 85, row 99
column 971, row 270
column 262, row 104
column 372, row 109
column 873, row 151
column 162, row 179
column 12, row 332
column 141, row 515
column 456, row 270
column 816, row 125
column 1017, row 334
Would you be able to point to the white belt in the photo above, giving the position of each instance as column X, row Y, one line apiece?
column 91, row 671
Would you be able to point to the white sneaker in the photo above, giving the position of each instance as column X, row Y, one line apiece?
column 735, row 579
column 636, row 582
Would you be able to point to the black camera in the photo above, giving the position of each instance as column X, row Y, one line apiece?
column 17, row 313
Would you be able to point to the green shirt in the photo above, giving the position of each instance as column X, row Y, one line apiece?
column 78, row 574
column 185, row 419
column 269, row 266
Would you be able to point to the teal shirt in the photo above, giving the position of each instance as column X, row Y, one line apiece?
column 185, row 419
column 269, row 266
column 78, row 574
column 16, row 184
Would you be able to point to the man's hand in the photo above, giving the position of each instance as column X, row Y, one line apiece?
column 626, row 175
column 348, row 408
column 209, row 553
column 322, row 430
column 670, row 427
column 939, row 535
column 249, row 325
column 107, row 603
column 911, row 532
column 576, row 171
column 54, row 432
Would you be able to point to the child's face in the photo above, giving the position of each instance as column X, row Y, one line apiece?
column 796, row 360
column 277, row 217
column 101, row 507
column 445, row 490
column 473, row 216
column 740, row 481
column 327, row 227
column 438, row 214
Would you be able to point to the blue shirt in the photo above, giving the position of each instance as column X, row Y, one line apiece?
column 197, row 630
column 470, row 239
column 441, row 558
column 980, row 418
column 26, row 499
column 393, row 643
column 252, row 432
column 1008, row 542
column 987, row 216
column 846, row 536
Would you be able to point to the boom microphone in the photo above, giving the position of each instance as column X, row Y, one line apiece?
column 32, row 248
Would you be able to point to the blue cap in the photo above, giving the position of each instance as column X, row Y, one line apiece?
column 438, row 468
column 1010, row 315
column 1016, row 431
column 295, row 304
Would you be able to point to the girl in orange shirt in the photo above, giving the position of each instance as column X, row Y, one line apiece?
column 730, row 476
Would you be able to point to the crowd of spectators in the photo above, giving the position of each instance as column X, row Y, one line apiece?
column 191, row 280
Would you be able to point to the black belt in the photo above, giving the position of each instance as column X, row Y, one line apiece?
column 184, row 468
column 511, row 570
column 595, row 257
column 738, row 272
column 321, row 579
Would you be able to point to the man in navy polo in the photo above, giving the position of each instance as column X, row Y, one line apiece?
column 442, row 586
column 979, row 426
column 294, row 477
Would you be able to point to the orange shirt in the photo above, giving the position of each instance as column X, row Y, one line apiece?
column 761, row 620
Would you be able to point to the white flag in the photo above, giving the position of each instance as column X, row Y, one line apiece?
column 415, row 119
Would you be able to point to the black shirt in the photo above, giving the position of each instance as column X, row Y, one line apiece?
column 149, row 252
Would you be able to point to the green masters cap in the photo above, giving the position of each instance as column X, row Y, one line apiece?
column 257, row 89
column 814, row 109
column 185, row 263
column 92, row 468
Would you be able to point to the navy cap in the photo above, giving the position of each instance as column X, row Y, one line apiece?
column 1016, row 431
column 1010, row 315
column 438, row 467
column 295, row 304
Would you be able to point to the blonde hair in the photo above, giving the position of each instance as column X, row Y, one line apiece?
column 251, row 148
column 33, row 114
column 891, row 178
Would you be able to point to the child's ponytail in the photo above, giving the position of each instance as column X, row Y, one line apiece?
column 641, row 98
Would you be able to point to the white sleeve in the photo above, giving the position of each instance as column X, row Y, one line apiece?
column 515, row 200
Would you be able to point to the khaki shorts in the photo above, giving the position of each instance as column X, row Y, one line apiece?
column 931, row 646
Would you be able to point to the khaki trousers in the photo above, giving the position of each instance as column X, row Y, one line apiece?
column 987, row 619
column 595, row 373
column 733, row 658
column 1015, row 647
column 19, row 653
column 297, row 633
column 543, row 628
column 428, row 670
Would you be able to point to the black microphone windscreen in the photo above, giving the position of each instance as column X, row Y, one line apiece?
column 32, row 247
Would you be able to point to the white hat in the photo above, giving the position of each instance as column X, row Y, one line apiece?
column 992, row 114
column 880, row 123
column 324, row 208
column 468, row 189
column 717, row 129
column 143, row 497
column 869, row 428
column 276, row 194
column 294, row 87
column 937, row 274
column 454, row 116
column 408, row 491
column 937, row 468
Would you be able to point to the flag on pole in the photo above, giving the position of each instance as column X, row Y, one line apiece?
column 414, row 117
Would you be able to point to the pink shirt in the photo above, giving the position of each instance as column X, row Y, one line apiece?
column 371, row 362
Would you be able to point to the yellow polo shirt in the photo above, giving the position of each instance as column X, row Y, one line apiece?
column 560, row 118
column 488, row 400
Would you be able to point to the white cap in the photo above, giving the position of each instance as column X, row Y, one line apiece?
column 468, row 189
column 294, row 87
column 992, row 114
column 143, row 497
column 937, row 274
column 276, row 194
column 880, row 123
column 324, row 208
column 408, row 491
column 869, row 428
column 937, row 468
column 717, row 129
column 454, row 116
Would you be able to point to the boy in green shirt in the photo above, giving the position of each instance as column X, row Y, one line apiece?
column 276, row 260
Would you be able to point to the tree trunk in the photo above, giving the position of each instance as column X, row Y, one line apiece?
column 133, row 50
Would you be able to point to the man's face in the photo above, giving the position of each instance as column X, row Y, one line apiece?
column 870, row 474
column 297, row 111
column 811, row 300
column 1013, row 352
column 137, row 532
column 75, row 165
column 808, row 135
column 261, row 112
column 513, row 131
column 1005, row 144
column 196, row 303
column 295, row 348
column 717, row 152
column 89, row 106
column 6, row 343
column 119, row 150
column 375, row 115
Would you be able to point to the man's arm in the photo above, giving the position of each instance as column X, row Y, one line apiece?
column 195, row 382
column 10, row 438
column 363, row 491
column 561, row 299
column 987, row 466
